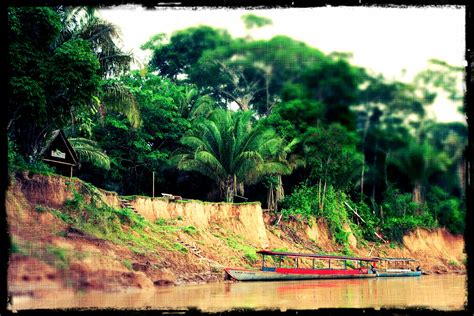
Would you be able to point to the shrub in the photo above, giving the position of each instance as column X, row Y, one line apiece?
column 366, row 229
column 127, row 264
column 16, row 162
column 301, row 202
column 396, row 227
column 190, row 230
column 60, row 257
column 448, row 210
column 15, row 248
column 335, row 213
column 398, row 204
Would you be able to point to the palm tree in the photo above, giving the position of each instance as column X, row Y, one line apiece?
column 191, row 104
column 229, row 149
column 276, row 191
column 83, row 23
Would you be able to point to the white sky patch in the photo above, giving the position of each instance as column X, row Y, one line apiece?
column 397, row 42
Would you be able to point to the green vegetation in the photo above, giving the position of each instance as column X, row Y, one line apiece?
column 230, row 151
column 55, row 256
column 40, row 209
column 121, row 226
column 15, row 248
column 180, row 247
column 313, row 135
column 190, row 230
column 127, row 264
column 60, row 257
column 238, row 243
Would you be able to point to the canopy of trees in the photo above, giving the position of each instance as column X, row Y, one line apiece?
column 213, row 117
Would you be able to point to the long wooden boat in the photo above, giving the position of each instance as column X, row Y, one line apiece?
column 345, row 268
column 397, row 267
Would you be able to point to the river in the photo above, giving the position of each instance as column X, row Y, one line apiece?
column 440, row 292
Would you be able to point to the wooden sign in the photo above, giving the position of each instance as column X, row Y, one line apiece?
column 59, row 151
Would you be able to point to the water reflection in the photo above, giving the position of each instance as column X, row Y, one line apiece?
column 447, row 292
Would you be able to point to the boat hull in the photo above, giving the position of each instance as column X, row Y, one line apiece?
column 398, row 274
column 251, row 275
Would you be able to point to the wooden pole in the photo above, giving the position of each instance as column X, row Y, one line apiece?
column 71, row 173
column 153, row 189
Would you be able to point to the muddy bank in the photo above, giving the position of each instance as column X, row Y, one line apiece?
column 177, row 242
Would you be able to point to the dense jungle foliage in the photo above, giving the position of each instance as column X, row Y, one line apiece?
column 218, row 118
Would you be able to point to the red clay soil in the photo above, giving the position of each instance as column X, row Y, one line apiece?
column 54, row 255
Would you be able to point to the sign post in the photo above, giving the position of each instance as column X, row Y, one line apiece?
column 153, row 184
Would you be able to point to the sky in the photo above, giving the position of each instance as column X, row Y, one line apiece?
column 395, row 42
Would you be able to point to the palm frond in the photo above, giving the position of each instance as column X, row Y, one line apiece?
column 195, row 143
column 211, row 161
column 89, row 150
column 118, row 97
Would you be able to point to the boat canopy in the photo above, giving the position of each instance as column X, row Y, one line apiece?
column 314, row 256
column 395, row 259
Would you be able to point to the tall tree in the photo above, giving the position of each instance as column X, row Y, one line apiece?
column 253, row 71
column 184, row 49
column 103, row 37
column 419, row 162
column 136, row 153
column 382, row 110
column 48, row 82
column 333, row 159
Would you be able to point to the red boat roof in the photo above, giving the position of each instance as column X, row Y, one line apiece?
column 308, row 255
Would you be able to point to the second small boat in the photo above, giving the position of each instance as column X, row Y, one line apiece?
column 397, row 267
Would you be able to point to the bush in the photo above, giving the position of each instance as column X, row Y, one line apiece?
column 398, row 204
column 336, row 214
column 448, row 210
column 302, row 202
column 16, row 162
column 396, row 227
column 452, row 215
column 366, row 229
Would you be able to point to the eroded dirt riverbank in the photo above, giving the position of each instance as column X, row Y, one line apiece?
column 172, row 243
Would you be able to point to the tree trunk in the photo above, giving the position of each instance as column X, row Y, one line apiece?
column 462, row 175
column 366, row 129
column 227, row 188
column 362, row 178
column 270, row 199
column 275, row 195
column 319, row 194
column 324, row 195
column 374, row 179
column 381, row 214
column 387, row 155
column 417, row 195
column 267, row 93
column 280, row 191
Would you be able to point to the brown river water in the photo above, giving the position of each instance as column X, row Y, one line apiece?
column 440, row 292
